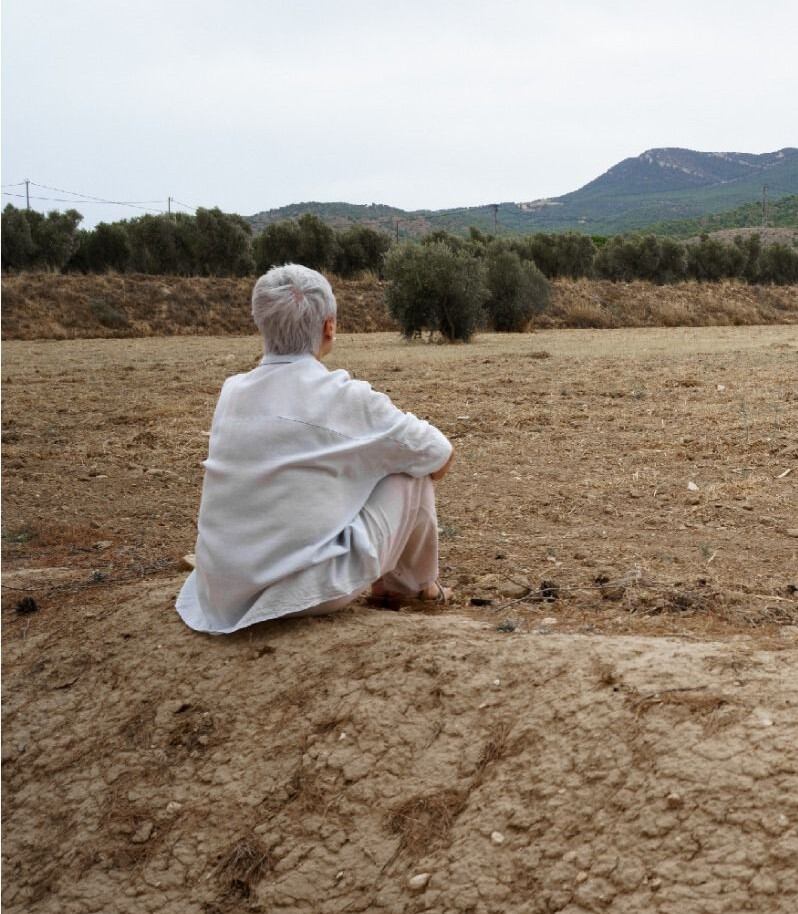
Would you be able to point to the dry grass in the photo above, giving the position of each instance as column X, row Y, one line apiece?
column 52, row 306
column 244, row 866
column 423, row 821
column 602, row 304
column 495, row 749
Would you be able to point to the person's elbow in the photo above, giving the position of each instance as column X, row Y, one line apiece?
column 440, row 473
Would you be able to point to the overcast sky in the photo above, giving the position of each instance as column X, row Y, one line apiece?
column 253, row 104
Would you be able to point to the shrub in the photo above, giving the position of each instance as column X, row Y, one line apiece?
column 223, row 244
column 575, row 253
column 316, row 243
column 778, row 265
column 277, row 244
column 565, row 254
column 710, row 260
column 672, row 261
column 517, row 290
column 647, row 257
column 108, row 248
column 453, row 242
column 751, row 249
column 435, row 288
column 617, row 260
column 360, row 248
column 33, row 241
column 18, row 247
column 161, row 245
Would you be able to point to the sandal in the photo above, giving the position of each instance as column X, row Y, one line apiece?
column 443, row 595
column 394, row 601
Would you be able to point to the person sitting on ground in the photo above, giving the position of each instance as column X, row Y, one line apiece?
column 316, row 486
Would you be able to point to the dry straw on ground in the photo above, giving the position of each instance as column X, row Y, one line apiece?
column 51, row 306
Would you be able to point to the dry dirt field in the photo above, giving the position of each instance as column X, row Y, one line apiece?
column 604, row 720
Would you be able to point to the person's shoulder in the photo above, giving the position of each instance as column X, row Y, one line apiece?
column 235, row 380
column 355, row 388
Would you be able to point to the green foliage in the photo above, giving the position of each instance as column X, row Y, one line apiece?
column 453, row 242
column 308, row 241
column 518, row 290
column 641, row 257
column 36, row 241
column 435, row 288
column 223, row 244
column 79, row 261
column 360, row 248
column 672, row 265
column 277, row 244
column 710, row 260
column 55, row 236
column 18, row 249
column 751, row 250
column 617, row 260
column 575, row 254
column 566, row 254
column 163, row 245
column 780, row 213
column 108, row 248
column 316, row 243
column 778, row 264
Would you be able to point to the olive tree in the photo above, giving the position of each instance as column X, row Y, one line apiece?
column 431, row 287
column 518, row 290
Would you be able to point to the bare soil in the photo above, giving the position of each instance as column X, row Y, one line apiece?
column 604, row 719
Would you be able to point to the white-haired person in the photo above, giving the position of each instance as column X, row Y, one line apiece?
column 317, row 488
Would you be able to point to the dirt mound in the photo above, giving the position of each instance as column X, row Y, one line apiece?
column 393, row 762
column 604, row 304
column 52, row 306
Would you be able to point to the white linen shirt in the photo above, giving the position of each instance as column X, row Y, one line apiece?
column 294, row 453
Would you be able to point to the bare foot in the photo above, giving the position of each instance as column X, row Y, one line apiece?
column 432, row 593
column 436, row 593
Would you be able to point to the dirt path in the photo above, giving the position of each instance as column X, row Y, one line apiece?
column 621, row 739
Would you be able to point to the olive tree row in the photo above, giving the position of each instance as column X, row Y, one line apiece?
column 209, row 243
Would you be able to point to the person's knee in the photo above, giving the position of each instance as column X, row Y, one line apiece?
column 399, row 487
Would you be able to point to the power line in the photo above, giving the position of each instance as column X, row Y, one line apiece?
column 90, row 198
column 8, row 193
column 187, row 205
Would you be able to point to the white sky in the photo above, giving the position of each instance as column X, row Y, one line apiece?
column 253, row 104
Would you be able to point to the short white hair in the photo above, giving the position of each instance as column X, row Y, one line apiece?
column 289, row 306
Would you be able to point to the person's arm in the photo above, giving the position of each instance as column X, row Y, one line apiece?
column 401, row 441
column 439, row 474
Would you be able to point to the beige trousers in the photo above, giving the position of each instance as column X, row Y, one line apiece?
column 402, row 523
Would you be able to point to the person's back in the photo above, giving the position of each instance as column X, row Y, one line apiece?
column 295, row 453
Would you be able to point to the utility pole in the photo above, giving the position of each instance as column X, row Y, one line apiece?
column 397, row 231
column 27, row 194
column 495, row 218
column 764, row 205
column 169, row 206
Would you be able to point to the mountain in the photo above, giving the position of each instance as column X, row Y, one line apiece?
column 660, row 185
